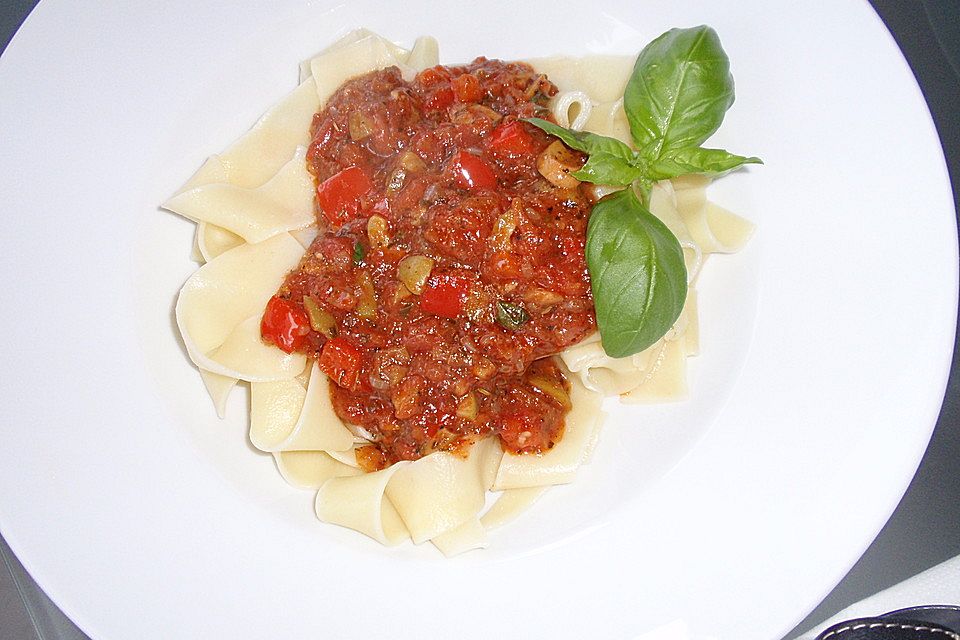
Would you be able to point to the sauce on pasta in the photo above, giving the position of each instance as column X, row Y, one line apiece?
column 449, row 262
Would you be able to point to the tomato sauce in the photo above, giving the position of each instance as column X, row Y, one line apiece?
column 447, row 267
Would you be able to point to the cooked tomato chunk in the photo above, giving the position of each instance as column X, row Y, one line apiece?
column 340, row 360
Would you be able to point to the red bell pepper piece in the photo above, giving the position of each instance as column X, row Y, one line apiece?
column 512, row 139
column 472, row 172
column 339, row 195
column 444, row 295
column 284, row 324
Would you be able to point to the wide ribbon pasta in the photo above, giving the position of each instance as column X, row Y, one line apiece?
column 283, row 203
column 285, row 416
column 441, row 497
column 254, row 209
column 218, row 311
column 359, row 502
column 310, row 469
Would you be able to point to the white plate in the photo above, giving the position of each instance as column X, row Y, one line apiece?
column 826, row 343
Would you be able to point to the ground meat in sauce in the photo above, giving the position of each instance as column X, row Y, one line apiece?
column 446, row 268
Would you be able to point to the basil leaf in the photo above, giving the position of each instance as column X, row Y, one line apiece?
column 358, row 253
column 511, row 316
column 611, row 161
column 679, row 91
column 711, row 162
column 637, row 274
column 604, row 169
column 584, row 140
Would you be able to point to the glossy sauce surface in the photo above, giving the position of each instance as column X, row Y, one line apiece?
column 447, row 266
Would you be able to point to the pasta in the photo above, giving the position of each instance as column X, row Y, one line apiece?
column 254, row 209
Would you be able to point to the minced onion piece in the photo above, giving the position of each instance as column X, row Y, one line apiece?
column 378, row 232
column 468, row 407
column 406, row 400
column 542, row 297
column 360, row 125
column 504, row 227
column 483, row 368
column 556, row 163
column 412, row 162
column 413, row 272
column 552, row 389
column 320, row 320
column 367, row 306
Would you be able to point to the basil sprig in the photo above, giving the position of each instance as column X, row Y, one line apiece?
column 676, row 98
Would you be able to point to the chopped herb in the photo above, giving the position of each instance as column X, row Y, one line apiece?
column 511, row 316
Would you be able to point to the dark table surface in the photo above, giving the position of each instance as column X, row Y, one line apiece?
column 925, row 528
